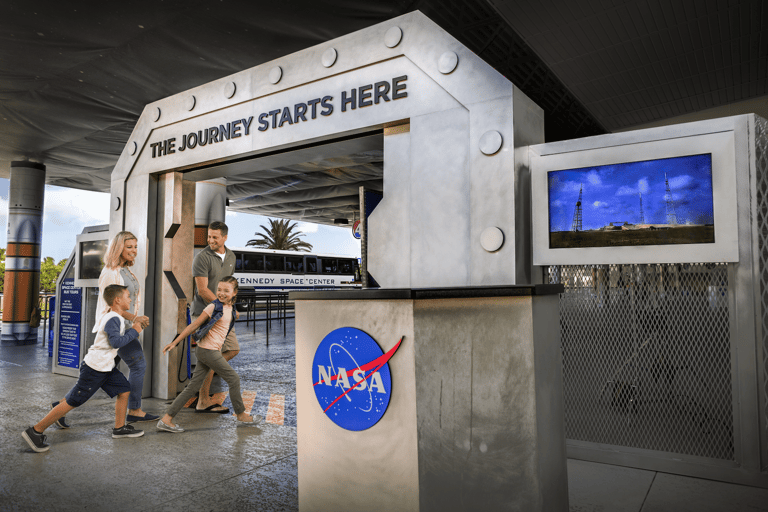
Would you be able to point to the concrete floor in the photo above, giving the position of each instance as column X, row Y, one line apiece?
column 216, row 466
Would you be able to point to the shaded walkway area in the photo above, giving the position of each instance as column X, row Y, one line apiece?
column 216, row 466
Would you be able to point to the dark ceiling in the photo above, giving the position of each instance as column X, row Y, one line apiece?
column 75, row 76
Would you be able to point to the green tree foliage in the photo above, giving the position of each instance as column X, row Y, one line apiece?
column 279, row 235
column 49, row 273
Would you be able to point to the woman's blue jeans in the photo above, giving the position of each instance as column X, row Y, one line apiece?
column 133, row 356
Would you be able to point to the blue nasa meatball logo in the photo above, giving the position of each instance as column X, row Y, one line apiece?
column 350, row 375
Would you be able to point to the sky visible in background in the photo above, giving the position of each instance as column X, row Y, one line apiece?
column 67, row 211
column 611, row 193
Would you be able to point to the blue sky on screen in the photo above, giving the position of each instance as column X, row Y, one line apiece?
column 611, row 193
column 67, row 211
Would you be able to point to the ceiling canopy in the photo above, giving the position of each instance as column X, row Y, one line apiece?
column 75, row 76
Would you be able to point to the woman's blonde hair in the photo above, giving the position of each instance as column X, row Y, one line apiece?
column 115, row 250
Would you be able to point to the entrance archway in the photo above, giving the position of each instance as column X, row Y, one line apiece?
column 450, row 126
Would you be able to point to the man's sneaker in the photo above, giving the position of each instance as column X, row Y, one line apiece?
column 169, row 428
column 35, row 440
column 61, row 422
column 126, row 431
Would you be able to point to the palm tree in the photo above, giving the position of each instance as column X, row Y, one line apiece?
column 279, row 236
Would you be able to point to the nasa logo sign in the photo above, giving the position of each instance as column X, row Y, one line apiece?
column 350, row 375
column 356, row 229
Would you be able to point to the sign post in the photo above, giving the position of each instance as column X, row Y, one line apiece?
column 69, row 325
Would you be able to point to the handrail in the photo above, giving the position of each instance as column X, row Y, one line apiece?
column 268, row 303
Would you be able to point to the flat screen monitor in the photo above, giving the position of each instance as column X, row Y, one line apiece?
column 91, row 258
column 649, row 202
column 636, row 198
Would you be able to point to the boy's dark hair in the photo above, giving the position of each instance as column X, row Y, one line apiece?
column 112, row 291
column 219, row 226
column 232, row 280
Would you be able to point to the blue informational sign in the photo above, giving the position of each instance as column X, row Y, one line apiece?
column 51, row 323
column 69, row 324
column 351, row 378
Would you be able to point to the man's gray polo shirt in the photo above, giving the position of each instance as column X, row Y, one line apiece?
column 208, row 264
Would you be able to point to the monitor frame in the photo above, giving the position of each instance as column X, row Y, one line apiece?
column 80, row 239
column 626, row 148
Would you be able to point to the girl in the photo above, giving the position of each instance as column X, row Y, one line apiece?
column 212, row 327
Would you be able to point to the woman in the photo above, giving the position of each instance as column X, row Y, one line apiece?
column 120, row 256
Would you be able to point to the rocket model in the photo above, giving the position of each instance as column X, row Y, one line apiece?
column 22, row 258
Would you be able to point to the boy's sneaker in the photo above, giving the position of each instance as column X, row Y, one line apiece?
column 169, row 428
column 35, row 440
column 61, row 422
column 126, row 431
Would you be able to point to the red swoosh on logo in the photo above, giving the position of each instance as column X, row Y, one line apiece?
column 375, row 364
column 379, row 361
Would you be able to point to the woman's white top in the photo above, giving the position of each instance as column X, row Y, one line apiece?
column 112, row 276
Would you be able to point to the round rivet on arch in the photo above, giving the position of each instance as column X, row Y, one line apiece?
column 329, row 57
column 491, row 239
column 275, row 74
column 230, row 88
column 447, row 62
column 393, row 37
column 490, row 142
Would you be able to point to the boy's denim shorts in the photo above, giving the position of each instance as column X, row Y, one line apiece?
column 113, row 383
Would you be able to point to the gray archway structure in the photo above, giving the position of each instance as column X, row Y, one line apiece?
column 454, row 136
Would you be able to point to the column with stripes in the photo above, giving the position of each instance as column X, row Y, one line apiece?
column 22, row 258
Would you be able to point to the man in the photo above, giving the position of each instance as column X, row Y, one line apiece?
column 210, row 266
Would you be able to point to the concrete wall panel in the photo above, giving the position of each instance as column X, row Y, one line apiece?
column 440, row 205
column 480, row 437
column 334, row 463
column 391, row 219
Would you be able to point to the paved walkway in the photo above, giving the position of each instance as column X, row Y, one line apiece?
column 216, row 466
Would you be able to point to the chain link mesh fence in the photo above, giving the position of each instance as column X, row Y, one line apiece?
column 761, row 185
column 647, row 357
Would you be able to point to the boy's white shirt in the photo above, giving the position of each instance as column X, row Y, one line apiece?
column 101, row 355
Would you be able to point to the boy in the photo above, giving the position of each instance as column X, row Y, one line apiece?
column 98, row 371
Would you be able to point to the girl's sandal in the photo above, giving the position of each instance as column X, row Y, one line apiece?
column 256, row 420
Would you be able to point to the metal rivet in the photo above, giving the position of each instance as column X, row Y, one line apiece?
column 329, row 57
column 276, row 74
column 190, row 102
column 229, row 89
column 157, row 113
column 134, row 148
column 490, row 142
column 393, row 36
column 492, row 239
column 447, row 62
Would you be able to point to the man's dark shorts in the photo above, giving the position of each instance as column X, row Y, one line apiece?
column 113, row 383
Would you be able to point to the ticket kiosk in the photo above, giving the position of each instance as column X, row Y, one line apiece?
column 459, row 409
column 77, row 293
